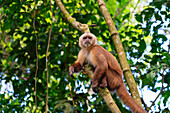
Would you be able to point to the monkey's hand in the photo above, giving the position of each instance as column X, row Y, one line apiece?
column 74, row 68
column 94, row 87
column 71, row 71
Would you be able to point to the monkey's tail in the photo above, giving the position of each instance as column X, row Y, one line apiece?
column 128, row 100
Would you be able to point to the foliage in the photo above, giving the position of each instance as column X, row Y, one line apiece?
column 143, row 43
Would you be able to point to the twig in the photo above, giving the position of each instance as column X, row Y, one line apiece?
column 47, row 58
column 36, row 62
column 3, row 3
column 1, row 16
column 169, row 48
column 92, row 25
column 72, row 98
column 121, row 9
column 144, row 103
column 84, row 8
column 30, row 108
column 159, row 92
column 135, row 6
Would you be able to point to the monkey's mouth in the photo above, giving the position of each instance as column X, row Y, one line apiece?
column 87, row 43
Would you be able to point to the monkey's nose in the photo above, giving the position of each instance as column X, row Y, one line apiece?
column 87, row 40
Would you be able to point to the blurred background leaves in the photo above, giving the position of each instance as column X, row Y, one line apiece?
column 144, row 31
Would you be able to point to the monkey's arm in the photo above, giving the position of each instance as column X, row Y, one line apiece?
column 77, row 66
column 100, row 70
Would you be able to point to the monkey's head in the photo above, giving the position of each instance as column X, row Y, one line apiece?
column 87, row 40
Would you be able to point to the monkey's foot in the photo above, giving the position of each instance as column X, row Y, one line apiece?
column 95, row 89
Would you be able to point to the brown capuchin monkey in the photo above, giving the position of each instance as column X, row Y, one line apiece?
column 107, row 71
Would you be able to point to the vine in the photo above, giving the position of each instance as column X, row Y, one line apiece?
column 47, row 58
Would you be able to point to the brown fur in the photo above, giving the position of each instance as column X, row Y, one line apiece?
column 107, row 72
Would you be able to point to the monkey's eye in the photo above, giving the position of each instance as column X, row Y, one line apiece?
column 84, row 37
column 90, row 37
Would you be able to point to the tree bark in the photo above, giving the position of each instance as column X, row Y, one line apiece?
column 120, row 51
column 84, row 28
column 105, row 93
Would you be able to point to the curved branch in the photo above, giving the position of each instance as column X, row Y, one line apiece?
column 84, row 28
column 120, row 51
column 81, row 27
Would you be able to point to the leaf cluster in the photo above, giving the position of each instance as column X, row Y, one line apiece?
column 18, row 53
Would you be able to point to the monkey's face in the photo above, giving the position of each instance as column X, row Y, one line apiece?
column 87, row 40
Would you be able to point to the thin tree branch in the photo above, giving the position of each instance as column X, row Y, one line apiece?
column 47, row 57
column 122, row 9
column 84, row 8
column 36, row 72
column 92, row 25
column 72, row 97
column 1, row 16
column 3, row 4
column 135, row 6
column 144, row 103
column 169, row 48
column 159, row 92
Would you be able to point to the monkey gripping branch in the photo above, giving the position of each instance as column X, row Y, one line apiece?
column 107, row 71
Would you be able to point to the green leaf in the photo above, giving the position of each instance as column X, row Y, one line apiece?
column 142, row 46
column 158, row 17
column 164, row 38
column 139, row 17
column 126, row 16
column 150, row 75
column 163, row 12
column 148, row 13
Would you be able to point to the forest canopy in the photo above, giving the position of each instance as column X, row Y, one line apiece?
column 37, row 40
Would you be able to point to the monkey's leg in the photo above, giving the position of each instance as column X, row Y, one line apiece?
column 103, row 82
